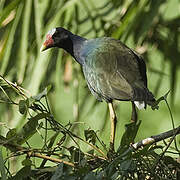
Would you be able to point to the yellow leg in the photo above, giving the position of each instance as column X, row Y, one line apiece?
column 134, row 113
column 113, row 119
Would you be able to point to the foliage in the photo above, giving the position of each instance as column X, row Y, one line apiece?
column 74, row 162
column 150, row 27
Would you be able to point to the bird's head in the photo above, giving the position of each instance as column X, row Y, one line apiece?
column 56, row 37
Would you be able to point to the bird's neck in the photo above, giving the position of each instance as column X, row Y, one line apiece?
column 73, row 46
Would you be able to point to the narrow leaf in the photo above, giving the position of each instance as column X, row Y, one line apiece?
column 10, row 40
column 5, row 13
column 128, row 136
column 24, row 40
column 2, row 167
column 22, row 106
column 29, row 129
column 27, row 162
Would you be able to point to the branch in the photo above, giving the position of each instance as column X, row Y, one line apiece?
column 156, row 138
column 33, row 154
column 18, row 89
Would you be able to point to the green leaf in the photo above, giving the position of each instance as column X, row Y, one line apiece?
column 91, row 152
column 76, row 154
column 146, row 19
column 128, row 136
column 90, row 136
column 2, row 139
column 5, row 13
column 22, row 61
column 2, row 166
column 52, row 139
column 30, row 101
column 132, row 9
column 12, row 133
column 29, row 129
column 23, row 173
column 10, row 40
column 59, row 172
column 144, row 151
column 90, row 176
column 42, row 60
column 42, row 94
column 23, row 106
column 125, row 165
column 171, row 161
column 27, row 162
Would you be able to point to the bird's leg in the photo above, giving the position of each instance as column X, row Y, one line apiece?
column 134, row 113
column 113, row 119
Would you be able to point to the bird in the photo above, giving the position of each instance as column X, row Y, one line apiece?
column 112, row 70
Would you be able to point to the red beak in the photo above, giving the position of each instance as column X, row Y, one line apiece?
column 49, row 42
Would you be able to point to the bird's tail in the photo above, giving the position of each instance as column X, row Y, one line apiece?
column 143, row 98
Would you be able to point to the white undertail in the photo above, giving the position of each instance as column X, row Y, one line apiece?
column 139, row 104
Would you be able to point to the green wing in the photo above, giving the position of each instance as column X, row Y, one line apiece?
column 112, row 72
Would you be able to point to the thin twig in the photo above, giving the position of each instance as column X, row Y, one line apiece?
column 32, row 154
column 7, row 96
column 156, row 138
column 16, row 87
column 176, row 131
column 172, row 120
column 72, row 135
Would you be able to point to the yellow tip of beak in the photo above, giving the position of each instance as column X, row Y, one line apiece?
column 43, row 48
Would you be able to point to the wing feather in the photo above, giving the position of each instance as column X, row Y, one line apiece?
column 113, row 72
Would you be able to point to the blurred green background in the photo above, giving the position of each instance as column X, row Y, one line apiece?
column 150, row 27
